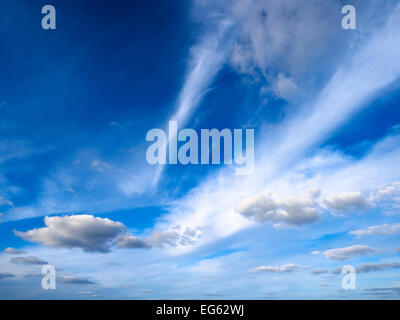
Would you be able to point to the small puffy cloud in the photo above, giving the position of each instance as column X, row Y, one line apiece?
column 68, row 279
column 10, row 250
column 291, row 210
column 374, row 267
column 28, row 261
column 388, row 192
column 78, row 231
column 347, row 252
column 289, row 267
column 387, row 197
column 4, row 275
column 284, row 87
column 381, row 230
column 346, row 201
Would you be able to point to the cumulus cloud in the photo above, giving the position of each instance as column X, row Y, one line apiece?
column 346, row 201
column 292, row 210
column 28, row 261
column 347, row 252
column 78, row 231
column 93, row 234
column 289, row 267
column 10, row 250
column 381, row 230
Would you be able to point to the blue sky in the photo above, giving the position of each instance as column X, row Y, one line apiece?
column 76, row 191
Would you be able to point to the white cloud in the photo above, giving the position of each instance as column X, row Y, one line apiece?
column 158, row 239
column 79, row 231
column 388, row 193
column 93, row 234
column 348, row 252
column 381, row 230
column 346, row 201
column 10, row 250
column 207, row 58
column 284, row 87
column 289, row 267
column 291, row 210
column 286, row 34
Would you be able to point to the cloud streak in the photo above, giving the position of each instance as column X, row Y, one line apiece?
column 285, row 268
column 31, row 260
column 347, row 252
column 381, row 230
